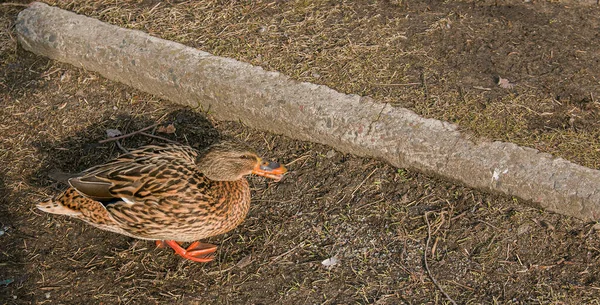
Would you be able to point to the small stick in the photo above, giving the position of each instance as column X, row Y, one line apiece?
column 15, row 4
column 489, row 224
column 424, row 81
column 158, row 137
column 121, row 146
column 402, row 85
column 297, row 159
column 129, row 134
column 363, row 182
column 427, row 265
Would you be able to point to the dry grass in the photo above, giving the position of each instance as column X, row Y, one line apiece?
column 483, row 248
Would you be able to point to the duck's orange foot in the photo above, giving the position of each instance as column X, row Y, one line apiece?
column 197, row 251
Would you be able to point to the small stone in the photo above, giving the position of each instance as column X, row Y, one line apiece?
column 47, row 295
column 111, row 133
column 330, row 154
column 65, row 77
column 547, row 225
column 330, row 262
column 244, row 262
column 523, row 229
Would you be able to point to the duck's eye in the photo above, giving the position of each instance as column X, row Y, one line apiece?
column 247, row 157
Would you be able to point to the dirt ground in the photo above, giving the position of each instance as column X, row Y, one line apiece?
column 381, row 223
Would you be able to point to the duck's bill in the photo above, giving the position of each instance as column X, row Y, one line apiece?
column 272, row 170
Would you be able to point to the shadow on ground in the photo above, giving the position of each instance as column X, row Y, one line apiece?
column 13, row 240
column 82, row 150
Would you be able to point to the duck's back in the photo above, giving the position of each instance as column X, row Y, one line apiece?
column 193, row 209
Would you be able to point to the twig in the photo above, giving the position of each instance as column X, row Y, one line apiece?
column 489, row 224
column 158, row 137
column 427, row 265
column 401, row 85
column 286, row 252
column 424, row 81
column 220, row 271
column 15, row 4
column 297, row 159
column 363, row 182
column 129, row 134
column 121, row 146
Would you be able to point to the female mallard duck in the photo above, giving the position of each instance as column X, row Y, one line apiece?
column 167, row 193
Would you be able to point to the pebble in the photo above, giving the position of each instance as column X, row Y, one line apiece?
column 523, row 229
column 330, row 262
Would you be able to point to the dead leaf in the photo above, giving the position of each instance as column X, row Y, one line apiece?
column 166, row 129
column 111, row 133
column 504, row 83
column 244, row 262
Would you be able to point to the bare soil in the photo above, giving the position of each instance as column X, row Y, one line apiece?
column 380, row 222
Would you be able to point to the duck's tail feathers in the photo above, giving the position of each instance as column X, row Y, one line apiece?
column 73, row 204
column 67, row 203
column 55, row 207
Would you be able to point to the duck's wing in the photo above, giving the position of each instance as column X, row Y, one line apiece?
column 151, row 170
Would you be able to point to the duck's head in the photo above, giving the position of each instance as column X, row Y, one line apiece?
column 230, row 161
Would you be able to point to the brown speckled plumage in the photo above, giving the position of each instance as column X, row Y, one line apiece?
column 166, row 192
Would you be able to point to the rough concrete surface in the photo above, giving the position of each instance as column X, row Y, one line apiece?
column 233, row 90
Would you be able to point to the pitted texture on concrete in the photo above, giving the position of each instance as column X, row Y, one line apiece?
column 270, row 101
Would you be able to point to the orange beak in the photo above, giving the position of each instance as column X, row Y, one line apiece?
column 272, row 170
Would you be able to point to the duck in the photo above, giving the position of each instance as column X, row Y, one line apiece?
column 169, row 193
